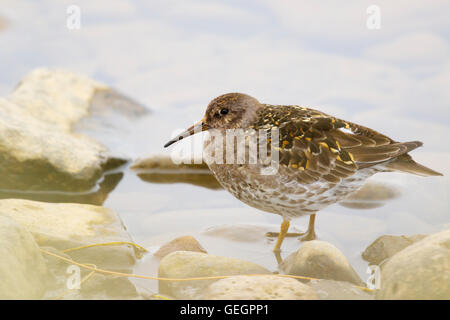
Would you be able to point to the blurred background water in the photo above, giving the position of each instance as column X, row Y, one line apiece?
column 174, row 57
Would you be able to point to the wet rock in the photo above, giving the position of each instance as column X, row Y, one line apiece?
column 96, row 287
column 93, row 286
column 161, row 169
column 268, row 287
column 101, row 286
column 371, row 195
column 420, row 271
column 187, row 264
column 386, row 246
column 23, row 272
column 184, row 243
column 321, row 260
column 65, row 226
column 57, row 269
column 339, row 290
column 38, row 148
column 53, row 262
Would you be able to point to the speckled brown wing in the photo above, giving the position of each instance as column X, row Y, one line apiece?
column 315, row 146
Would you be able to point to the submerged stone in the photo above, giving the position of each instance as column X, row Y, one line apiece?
column 386, row 246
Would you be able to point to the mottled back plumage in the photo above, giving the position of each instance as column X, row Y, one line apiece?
column 318, row 146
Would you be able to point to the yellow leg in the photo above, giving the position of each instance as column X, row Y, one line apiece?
column 283, row 230
column 310, row 234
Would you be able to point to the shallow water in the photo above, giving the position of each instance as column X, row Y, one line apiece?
column 175, row 66
column 156, row 213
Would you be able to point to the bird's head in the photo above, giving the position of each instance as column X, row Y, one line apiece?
column 228, row 111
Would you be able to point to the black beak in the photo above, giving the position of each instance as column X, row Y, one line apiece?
column 196, row 128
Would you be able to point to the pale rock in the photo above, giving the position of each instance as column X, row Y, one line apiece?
column 339, row 290
column 23, row 271
column 321, row 260
column 420, row 271
column 188, row 264
column 386, row 246
column 68, row 225
column 38, row 148
column 267, row 287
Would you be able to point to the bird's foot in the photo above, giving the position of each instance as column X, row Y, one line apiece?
column 307, row 236
column 277, row 254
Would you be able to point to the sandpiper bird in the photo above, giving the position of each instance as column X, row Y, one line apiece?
column 322, row 159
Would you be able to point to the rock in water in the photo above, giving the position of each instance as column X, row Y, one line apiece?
column 102, row 286
column 38, row 149
column 23, row 272
column 321, row 260
column 420, row 271
column 188, row 264
column 96, row 286
column 386, row 246
column 69, row 225
column 270, row 287
column 184, row 243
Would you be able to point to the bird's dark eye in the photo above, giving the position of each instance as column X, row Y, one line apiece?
column 224, row 111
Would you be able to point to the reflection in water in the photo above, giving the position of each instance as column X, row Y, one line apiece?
column 371, row 195
column 38, row 175
column 161, row 169
column 95, row 197
column 362, row 204
column 3, row 24
column 198, row 178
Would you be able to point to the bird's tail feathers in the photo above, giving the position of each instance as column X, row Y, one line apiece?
column 405, row 163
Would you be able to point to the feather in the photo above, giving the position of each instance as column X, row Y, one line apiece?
column 405, row 163
column 315, row 146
